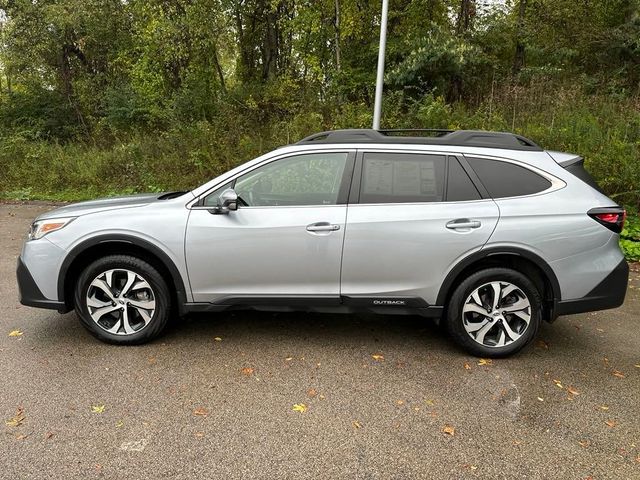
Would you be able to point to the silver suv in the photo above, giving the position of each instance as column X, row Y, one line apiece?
column 485, row 232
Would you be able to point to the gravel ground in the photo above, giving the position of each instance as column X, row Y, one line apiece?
column 215, row 396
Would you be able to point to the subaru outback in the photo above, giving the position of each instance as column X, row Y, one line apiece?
column 485, row 232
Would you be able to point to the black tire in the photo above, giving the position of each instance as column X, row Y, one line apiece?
column 161, row 295
column 455, row 322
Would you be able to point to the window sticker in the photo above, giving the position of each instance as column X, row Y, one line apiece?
column 379, row 177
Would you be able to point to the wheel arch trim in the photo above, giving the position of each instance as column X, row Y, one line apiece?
column 153, row 249
column 448, row 283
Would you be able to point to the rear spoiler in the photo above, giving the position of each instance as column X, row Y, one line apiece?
column 572, row 161
column 574, row 164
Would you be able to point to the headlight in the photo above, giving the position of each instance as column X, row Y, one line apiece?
column 40, row 228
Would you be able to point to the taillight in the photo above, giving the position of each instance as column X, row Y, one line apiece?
column 611, row 217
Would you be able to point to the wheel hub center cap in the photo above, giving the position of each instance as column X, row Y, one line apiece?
column 121, row 301
column 496, row 314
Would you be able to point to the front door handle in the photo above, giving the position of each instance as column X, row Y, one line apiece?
column 322, row 227
column 463, row 223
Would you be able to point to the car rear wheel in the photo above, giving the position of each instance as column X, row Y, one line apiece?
column 494, row 312
column 122, row 300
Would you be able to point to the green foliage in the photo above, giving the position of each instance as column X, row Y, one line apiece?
column 99, row 97
column 630, row 236
column 438, row 62
column 631, row 249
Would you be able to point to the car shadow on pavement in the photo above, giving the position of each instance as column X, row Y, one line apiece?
column 253, row 328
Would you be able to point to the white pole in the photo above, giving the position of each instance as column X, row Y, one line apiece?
column 377, row 109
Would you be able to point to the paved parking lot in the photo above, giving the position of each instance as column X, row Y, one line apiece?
column 261, row 395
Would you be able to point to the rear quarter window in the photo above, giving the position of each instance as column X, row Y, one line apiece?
column 504, row 179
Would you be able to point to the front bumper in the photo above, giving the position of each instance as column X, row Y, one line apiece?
column 30, row 294
column 609, row 293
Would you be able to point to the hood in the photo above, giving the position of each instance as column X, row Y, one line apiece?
column 93, row 206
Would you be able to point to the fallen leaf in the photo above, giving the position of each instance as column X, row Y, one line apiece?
column 584, row 443
column 312, row 392
column 617, row 373
column 201, row 411
column 217, row 339
column 449, row 430
column 199, row 434
column 400, row 402
column 248, row 371
column 15, row 333
column 610, row 423
column 604, row 407
column 48, row 435
column 299, row 407
column 378, row 357
column 18, row 418
column 288, row 359
column 485, row 361
column 97, row 408
column 558, row 383
column 356, row 424
column 119, row 424
column 467, row 366
column 542, row 344
column 637, row 365
column 152, row 360
column 572, row 391
column 541, row 399
column 430, row 402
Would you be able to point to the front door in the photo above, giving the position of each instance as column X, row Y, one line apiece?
column 285, row 239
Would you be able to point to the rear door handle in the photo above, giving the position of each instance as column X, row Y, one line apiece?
column 322, row 227
column 463, row 223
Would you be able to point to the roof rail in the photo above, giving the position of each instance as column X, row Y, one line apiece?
column 467, row 138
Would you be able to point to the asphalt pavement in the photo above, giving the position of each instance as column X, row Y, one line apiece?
column 296, row 396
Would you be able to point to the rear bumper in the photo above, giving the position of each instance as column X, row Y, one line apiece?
column 609, row 293
column 30, row 294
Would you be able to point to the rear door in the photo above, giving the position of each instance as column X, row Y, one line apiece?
column 411, row 217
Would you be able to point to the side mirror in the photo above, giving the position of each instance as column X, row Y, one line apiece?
column 228, row 202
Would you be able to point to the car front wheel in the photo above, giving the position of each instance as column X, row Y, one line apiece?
column 494, row 312
column 122, row 300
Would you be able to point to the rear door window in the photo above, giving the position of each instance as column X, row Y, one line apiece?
column 505, row 179
column 402, row 178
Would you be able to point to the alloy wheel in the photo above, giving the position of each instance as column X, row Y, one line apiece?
column 496, row 314
column 120, row 301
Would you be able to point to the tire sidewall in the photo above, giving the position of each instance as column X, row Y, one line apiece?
column 142, row 268
column 455, row 324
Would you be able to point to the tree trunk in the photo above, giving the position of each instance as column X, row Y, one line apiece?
column 519, row 56
column 67, row 84
column 270, row 45
column 337, row 35
column 216, row 63
column 465, row 16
